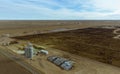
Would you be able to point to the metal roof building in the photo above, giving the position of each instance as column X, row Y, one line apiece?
column 61, row 62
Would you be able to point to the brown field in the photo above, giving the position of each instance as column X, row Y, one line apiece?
column 25, row 27
column 94, row 43
column 8, row 66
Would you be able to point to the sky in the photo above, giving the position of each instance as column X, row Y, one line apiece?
column 59, row 9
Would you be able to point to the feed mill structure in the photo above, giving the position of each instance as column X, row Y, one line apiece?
column 29, row 51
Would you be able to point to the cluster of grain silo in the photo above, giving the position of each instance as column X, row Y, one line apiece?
column 61, row 62
column 29, row 51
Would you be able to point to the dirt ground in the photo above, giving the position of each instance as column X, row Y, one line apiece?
column 8, row 66
column 94, row 40
column 82, row 65
column 94, row 43
column 18, row 28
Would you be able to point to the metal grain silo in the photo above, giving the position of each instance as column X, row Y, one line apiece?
column 29, row 51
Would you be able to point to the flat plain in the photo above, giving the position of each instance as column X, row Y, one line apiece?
column 81, row 39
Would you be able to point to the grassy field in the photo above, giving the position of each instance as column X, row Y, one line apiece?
column 94, row 43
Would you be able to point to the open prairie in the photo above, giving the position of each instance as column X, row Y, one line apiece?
column 32, row 27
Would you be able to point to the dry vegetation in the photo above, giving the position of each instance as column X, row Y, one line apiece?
column 95, row 43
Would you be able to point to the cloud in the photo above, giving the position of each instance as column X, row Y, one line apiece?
column 60, row 9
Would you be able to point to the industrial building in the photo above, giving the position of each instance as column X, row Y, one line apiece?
column 61, row 62
column 29, row 51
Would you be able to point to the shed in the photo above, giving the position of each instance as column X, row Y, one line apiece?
column 59, row 61
column 67, row 65
column 52, row 58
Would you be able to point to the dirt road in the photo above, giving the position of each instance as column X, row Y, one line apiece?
column 117, row 34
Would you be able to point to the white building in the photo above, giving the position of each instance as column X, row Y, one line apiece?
column 44, row 52
column 29, row 51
